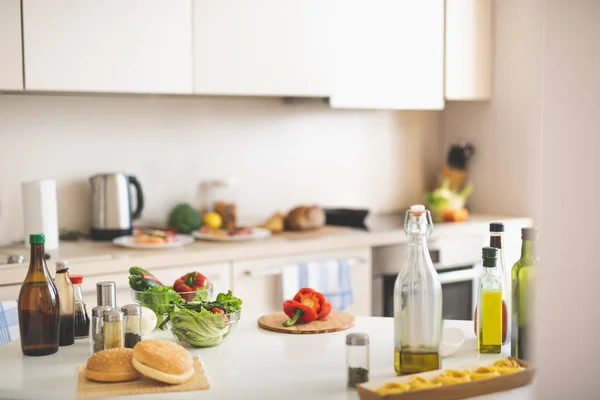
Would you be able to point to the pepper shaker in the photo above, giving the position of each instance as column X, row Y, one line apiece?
column 133, row 324
column 113, row 329
column 98, row 327
column 106, row 294
column 357, row 358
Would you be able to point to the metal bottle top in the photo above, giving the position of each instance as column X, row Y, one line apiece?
column 100, row 310
column 132, row 309
column 106, row 293
column 357, row 339
column 113, row 316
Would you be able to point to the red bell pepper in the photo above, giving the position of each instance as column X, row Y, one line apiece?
column 298, row 312
column 190, row 283
column 315, row 300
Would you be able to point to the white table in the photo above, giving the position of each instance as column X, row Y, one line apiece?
column 251, row 364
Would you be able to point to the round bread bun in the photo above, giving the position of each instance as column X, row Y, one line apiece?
column 112, row 365
column 163, row 361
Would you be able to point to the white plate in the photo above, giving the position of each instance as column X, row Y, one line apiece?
column 178, row 241
column 452, row 341
column 257, row 233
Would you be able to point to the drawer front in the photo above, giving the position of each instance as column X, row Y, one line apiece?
column 258, row 282
column 9, row 292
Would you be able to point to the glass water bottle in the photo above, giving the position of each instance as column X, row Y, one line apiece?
column 489, row 304
column 417, row 301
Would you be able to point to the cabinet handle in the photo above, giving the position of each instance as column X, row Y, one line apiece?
column 277, row 271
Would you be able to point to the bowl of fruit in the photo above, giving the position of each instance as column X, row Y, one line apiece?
column 148, row 291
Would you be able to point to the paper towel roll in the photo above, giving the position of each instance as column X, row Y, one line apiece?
column 40, row 213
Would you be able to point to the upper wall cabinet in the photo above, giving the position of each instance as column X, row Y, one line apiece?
column 11, row 58
column 133, row 46
column 468, row 49
column 389, row 54
column 263, row 47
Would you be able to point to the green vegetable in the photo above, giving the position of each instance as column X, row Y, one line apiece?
column 140, row 279
column 184, row 218
column 199, row 328
column 160, row 299
column 444, row 197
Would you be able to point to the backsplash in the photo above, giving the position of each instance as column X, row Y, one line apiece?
column 281, row 154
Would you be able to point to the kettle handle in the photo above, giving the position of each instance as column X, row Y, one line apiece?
column 139, row 196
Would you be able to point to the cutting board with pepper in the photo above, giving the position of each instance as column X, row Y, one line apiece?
column 335, row 321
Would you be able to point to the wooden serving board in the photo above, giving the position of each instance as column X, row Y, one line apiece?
column 335, row 321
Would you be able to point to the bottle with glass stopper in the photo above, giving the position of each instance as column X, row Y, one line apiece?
column 417, row 301
column 489, row 304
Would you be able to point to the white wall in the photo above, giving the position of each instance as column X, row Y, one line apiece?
column 506, row 130
column 281, row 154
column 569, row 277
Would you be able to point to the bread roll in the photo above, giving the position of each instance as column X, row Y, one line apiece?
column 163, row 361
column 305, row 218
column 112, row 365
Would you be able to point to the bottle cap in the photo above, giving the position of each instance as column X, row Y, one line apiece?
column 100, row 310
column 132, row 309
column 106, row 294
column 529, row 234
column 490, row 255
column 357, row 339
column 496, row 227
column 37, row 239
column 113, row 316
column 62, row 265
column 76, row 279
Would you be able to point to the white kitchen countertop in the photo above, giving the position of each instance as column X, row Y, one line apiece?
column 251, row 364
column 96, row 258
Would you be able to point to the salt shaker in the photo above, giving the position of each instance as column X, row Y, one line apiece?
column 132, row 324
column 106, row 294
column 98, row 327
column 113, row 329
column 357, row 358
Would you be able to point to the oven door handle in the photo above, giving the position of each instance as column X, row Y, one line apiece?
column 457, row 276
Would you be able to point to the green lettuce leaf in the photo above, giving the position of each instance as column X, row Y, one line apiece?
column 199, row 328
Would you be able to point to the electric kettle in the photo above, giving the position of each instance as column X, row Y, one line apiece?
column 112, row 214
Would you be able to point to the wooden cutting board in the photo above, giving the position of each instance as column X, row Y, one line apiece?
column 335, row 321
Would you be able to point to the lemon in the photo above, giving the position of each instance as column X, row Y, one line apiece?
column 213, row 220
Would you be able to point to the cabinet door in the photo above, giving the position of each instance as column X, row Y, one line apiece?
column 134, row 46
column 11, row 58
column 262, row 47
column 468, row 49
column 218, row 274
column 389, row 54
column 258, row 282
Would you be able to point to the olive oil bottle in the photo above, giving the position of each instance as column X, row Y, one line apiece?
column 489, row 304
column 38, row 305
column 417, row 301
column 523, row 273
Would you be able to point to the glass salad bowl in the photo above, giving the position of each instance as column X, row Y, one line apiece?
column 203, row 328
column 162, row 301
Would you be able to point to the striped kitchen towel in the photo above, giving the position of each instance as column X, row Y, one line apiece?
column 331, row 277
column 9, row 322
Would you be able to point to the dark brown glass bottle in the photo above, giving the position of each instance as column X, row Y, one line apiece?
column 38, row 306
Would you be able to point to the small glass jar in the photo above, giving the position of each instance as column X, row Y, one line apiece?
column 222, row 200
column 98, row 327
column 113, row 329
column 357, row 358
column 132, row 324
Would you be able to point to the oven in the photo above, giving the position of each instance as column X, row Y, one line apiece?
column 457, row 262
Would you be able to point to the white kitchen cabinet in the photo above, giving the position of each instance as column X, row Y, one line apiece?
column 468, row 50
column 262, row 47
column 218, row 274
column 389, row 54
column 134, row 46
column 258, row 282
column 9, row 292
column 11, row 57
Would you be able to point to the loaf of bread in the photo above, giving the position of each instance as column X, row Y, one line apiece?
column 305, row 218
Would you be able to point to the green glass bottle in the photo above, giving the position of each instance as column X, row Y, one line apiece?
column 523, row 275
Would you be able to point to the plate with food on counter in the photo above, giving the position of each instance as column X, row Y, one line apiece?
column 213, row 229
column 154, row 239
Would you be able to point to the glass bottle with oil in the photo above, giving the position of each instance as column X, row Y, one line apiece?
column 417, row 301
column 489, row 304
